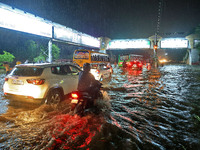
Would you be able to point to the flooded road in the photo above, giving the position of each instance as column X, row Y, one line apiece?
column 156, row 109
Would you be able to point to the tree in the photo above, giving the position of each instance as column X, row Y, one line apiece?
column 6, row 57
column 44, row 53
column 55, row 51
column 31, row 48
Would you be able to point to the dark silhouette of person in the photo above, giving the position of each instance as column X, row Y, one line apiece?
column 87, row 82
column 124, row 65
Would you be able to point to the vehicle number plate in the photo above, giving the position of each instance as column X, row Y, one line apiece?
column 19, row 82
column 75, row 101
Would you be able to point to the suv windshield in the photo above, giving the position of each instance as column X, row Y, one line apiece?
column 27, row 71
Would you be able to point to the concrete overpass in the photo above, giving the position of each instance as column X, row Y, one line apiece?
column 29, row 23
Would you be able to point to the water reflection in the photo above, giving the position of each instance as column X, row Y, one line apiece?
column 153, row 107
column 148, row 109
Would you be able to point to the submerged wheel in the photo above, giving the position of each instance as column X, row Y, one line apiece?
column 54, row 97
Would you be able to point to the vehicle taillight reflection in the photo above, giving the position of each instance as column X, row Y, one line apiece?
column 36, row 81
column 73, row 132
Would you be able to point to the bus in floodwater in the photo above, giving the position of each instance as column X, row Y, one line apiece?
column 82, row 56
column 121, row 59
column 132, row 61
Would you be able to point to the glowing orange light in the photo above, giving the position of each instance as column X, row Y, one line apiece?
column 155, row 46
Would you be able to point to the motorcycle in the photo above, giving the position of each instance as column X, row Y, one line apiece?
column 83, row 102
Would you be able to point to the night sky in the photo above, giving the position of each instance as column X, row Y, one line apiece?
column 117, row 19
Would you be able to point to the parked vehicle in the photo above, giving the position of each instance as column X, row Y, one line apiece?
column 83, row 102
column 42, row 82
column 100, row 71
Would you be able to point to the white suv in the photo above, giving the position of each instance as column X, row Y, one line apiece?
column 100, row 71
column 42, row 82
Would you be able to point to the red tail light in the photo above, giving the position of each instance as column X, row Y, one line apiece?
column 36, row 81
column 140, row 64
column 74, row 95
column 6, row 79
column 97, row 71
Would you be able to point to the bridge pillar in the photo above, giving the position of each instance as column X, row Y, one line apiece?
column 193, row 53
column 50, row 50
column 190, row 57
column 104, row 41
column 155, row 40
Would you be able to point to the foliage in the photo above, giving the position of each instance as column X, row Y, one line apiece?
column 39, row 58
column 42, row 56
column 55, row 51
column 6, row 57
column 44, row 53
column 31, row 48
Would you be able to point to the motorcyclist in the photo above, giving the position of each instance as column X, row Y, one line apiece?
column 124, row 65
column 87, row 82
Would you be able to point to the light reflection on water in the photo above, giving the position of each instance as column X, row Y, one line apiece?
column 150, row 109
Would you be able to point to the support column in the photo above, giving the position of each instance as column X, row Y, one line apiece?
column 191, row 39
column 190, row 58
column 155, row 58
column 104, row 41
column 155, row 40
column 50, row 50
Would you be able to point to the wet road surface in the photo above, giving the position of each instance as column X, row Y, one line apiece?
column 156, row 109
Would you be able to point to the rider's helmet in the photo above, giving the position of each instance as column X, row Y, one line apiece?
column 86, row 67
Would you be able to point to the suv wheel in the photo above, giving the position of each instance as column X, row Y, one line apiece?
column 54, row 97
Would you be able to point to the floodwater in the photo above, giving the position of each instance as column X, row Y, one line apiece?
column 150, row 110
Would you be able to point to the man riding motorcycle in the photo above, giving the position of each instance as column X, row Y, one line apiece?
column 87, row 82
column 88, row 91
column 124, row 65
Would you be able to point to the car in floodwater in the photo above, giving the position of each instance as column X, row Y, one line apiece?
column 101, row 71
column 41, row 82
